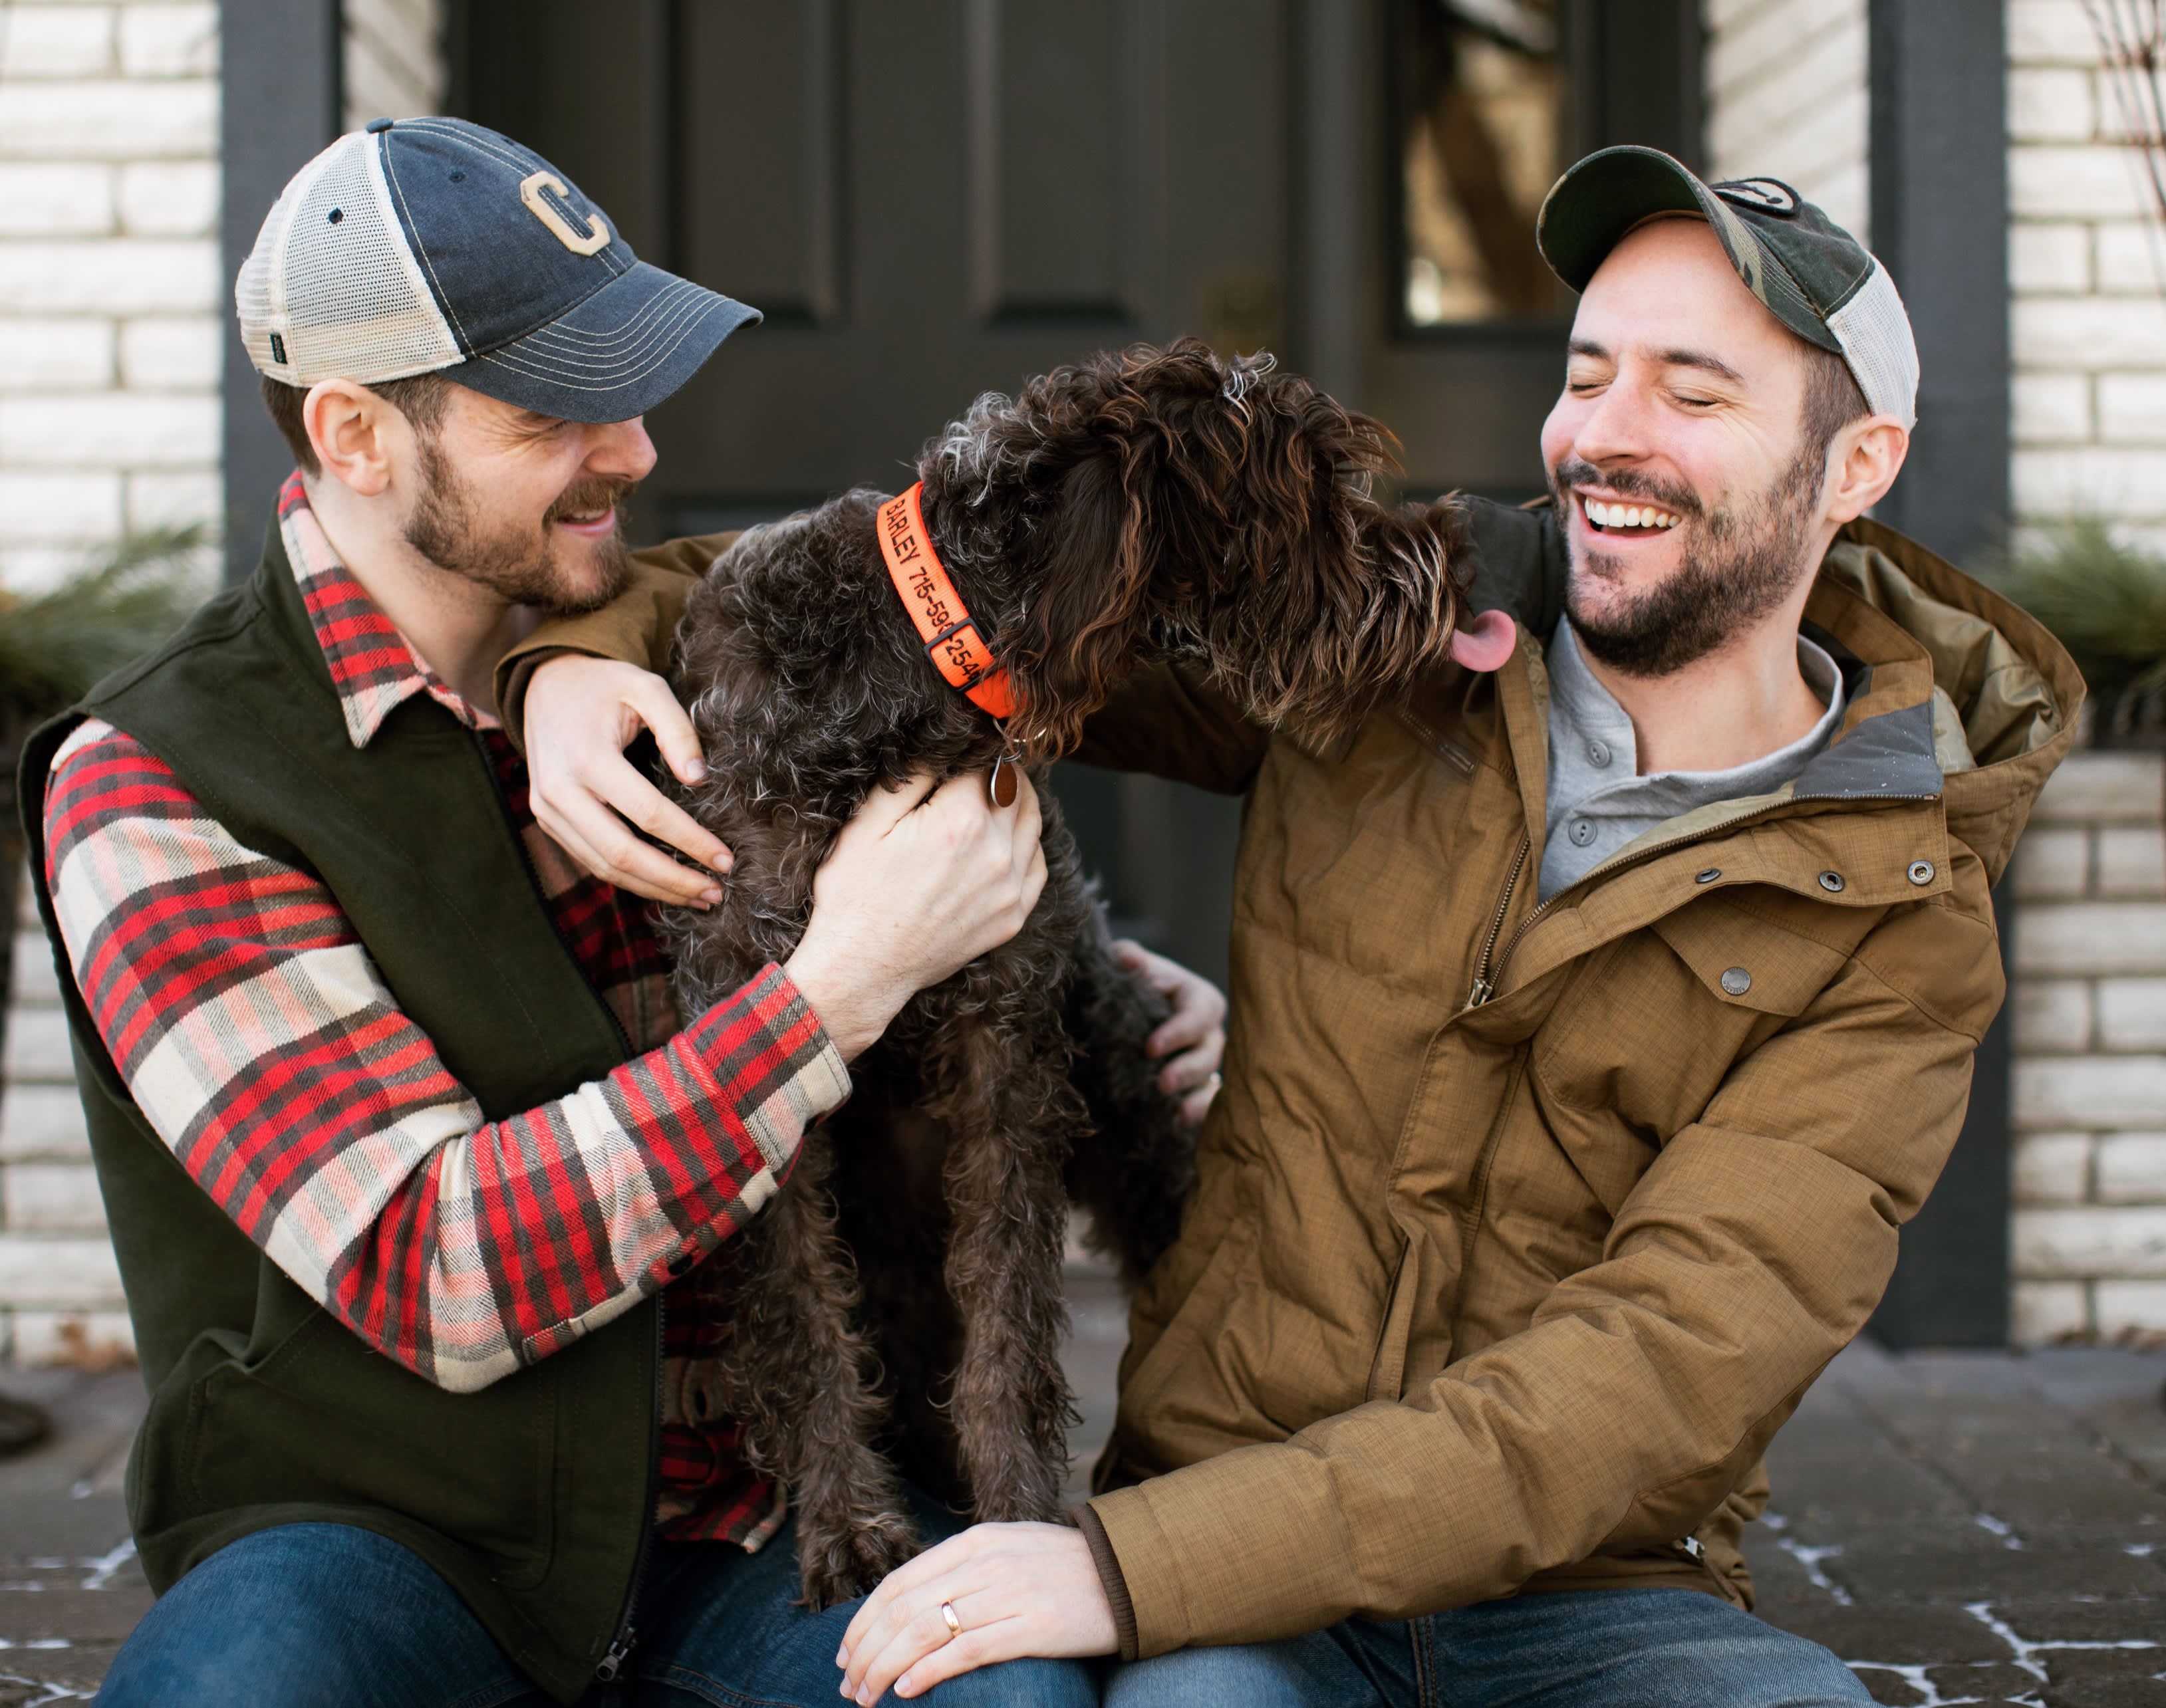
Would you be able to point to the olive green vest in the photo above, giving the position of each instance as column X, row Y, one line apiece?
column 533, row 1497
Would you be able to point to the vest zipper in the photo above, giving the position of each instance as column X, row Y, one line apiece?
column 541, row 896
column 627, row 1634
column 626, row 1637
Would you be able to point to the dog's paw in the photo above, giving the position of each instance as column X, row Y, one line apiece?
column 852, row 1565
column 885, row 1543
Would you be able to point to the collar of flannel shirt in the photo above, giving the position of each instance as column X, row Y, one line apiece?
column 372, row 666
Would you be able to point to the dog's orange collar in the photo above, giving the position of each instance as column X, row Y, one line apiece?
column 952, row 638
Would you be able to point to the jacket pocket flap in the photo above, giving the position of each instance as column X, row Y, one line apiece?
column 1746, row 961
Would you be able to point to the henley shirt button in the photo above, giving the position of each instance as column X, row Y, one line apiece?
column 1708, row 876
column 1597, row 753
column 1832, row 883
column 1921, row 871
column 1737, row 981
column 1581, row 833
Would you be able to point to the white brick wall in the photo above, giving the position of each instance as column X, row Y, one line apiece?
column 1786, row 94
column 394, row 59
column 59, row 1288
column 2087, row 265
column 1786, row 98
column 110, row 294
column 2088, row 1013
column 112, row 307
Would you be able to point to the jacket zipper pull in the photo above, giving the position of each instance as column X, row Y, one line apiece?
column 1484, row 988
column 612, row 1661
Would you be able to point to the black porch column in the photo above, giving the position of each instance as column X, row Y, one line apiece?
column 1940, row 223
column 280, row 73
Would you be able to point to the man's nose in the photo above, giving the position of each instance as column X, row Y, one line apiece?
column 621, row 449
column 1616, row 428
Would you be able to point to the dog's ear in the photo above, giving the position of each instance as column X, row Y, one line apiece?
column 1084, row 625
column 1148, row 500
column 1224, row 509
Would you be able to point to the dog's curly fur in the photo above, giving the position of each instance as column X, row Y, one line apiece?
column 1138, row 504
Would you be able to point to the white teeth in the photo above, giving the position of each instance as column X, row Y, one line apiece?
column 1609, row 515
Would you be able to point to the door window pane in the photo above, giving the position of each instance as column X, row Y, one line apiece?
column 1482, row 110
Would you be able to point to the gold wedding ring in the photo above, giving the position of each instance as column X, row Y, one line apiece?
column 954, row 1625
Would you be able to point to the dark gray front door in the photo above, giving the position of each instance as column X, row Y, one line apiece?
column 932, row 198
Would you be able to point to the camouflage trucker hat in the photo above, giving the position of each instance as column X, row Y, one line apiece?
column 1812, row 276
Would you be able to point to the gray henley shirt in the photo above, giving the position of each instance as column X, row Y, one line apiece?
column 1599, row 803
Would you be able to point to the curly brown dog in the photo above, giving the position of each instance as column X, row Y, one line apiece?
column 898, row 1310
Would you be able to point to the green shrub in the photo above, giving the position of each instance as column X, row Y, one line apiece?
column 54, row 644
column 2106, row 602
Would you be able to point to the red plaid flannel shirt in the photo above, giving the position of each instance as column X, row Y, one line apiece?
column 256, row 1036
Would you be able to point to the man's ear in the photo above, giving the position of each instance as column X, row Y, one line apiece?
column 1863, row 464
column 355, row 434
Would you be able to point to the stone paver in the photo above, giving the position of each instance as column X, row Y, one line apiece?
column 1977, row 1527
column 1961, row 1528
column 70, row 1588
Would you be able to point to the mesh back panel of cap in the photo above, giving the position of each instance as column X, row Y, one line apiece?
column 252, row 290
column 1875, row 333
column 344, row 294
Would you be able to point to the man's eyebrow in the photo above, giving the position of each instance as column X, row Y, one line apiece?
column 1700, row 359
column 1669, row 358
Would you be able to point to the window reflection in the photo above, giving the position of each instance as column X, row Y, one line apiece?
column 1481, row 96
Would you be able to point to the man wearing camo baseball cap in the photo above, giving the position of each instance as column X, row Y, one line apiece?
column 412, row 1167
column 1599, row 1016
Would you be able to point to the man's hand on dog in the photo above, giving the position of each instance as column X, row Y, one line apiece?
column 582, row 713
column 920, row 883
column 1194, row 1035
column 588, row 797
column 1018, row 1590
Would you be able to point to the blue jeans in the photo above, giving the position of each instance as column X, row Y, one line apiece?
column 325, row 1615
column 1599, row 1648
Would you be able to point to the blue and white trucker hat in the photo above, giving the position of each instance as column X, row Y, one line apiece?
column 427, row 245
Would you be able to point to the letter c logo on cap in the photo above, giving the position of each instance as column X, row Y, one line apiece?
column 535, row 190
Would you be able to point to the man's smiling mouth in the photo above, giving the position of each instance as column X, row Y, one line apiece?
column 1627, row 520
column 585, row 519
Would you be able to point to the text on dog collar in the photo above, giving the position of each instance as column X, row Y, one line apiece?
column 952, row 638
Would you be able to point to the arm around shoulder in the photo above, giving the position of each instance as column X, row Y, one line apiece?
column 639, row 626
column 1164, row 719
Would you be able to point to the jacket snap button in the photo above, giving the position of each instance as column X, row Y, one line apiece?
column 679, row 1266
column 1737, row 981
column 1921, row 871
column 1708, row 876
column 1832, row 881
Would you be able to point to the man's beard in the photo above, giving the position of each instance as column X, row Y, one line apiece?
column 521, row 564
column 1738, row 565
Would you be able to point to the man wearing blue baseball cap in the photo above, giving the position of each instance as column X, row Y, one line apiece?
column 410, row 1163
